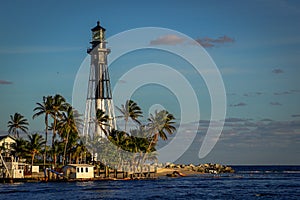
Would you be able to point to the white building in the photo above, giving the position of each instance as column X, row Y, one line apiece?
column 16, row 169
column 8, row 165
column 11, row 168
column 5, row 143
column 74, row 171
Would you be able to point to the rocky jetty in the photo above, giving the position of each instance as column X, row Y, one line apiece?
column 202, row 168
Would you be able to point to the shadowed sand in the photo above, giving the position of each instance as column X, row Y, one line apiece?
column 161, row 172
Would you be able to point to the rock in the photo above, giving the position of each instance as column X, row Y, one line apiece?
column 203, row 168
column 191, row 165
column 218, row 166
column 228, row 170
column 200, row 169
column 206, row 165
column 189, row 168
column 171, row 165
column 211, row 171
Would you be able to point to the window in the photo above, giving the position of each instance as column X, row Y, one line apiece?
column 81, row 169
column 6, row 145
column 86, row 170
column 78, row 170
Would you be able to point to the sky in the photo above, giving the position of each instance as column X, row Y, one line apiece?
column 254, row 44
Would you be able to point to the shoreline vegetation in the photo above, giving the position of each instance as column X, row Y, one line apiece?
column 69, row 147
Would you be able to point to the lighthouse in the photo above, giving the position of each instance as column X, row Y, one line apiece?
column 99, row 95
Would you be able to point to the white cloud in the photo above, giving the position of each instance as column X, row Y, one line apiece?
column 168, row 40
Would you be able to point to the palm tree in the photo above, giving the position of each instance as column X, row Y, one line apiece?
column 78, row 150
column 67, row 126
column 44, row 108
column 102, row 120
column 159, row 125
column 35, row 144
column 19, row 148
column 59, row 104
column 130, row 111
column 77, row 118
column 56, row 150
column 16, row 124
column 73, row 141
column 118, row 138
column 93, row 144
column 151, row 156
column 141, row 140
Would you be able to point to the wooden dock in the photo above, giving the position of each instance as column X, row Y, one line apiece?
column 127, row 173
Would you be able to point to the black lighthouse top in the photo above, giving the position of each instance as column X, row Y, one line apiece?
column 98, row 27
column 98, row 36
column 98, row 33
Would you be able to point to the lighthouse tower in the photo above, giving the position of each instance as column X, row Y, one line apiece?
column 99, row 90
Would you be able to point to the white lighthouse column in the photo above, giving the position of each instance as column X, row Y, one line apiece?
column 99, row 89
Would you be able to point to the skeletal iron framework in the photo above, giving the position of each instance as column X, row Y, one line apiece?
column 99, row 90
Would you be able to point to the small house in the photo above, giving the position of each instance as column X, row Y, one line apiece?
column 75, row 171
column 5, row 144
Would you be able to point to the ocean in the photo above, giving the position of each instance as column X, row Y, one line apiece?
column 249, row 182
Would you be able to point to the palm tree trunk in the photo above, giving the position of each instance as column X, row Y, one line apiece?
column 65, row 150
column 45, row 149
column 54, row 131
column 54, row 134
column 46, row 137
column 77, row 160
column 54, row 159
column 70, row 158
column 133, row 159
column 153, row 141
column 126, row 121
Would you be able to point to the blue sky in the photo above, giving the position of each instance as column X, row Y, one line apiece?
column 255, row 44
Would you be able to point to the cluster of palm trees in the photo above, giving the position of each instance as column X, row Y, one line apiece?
column 141, row 140
column 63, row 121
column 28, row 148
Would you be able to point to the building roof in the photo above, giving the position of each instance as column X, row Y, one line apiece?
column 5, row 136
column 98, row 27
column 79, row 165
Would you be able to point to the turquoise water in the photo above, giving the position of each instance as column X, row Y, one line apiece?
column 249, row 182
